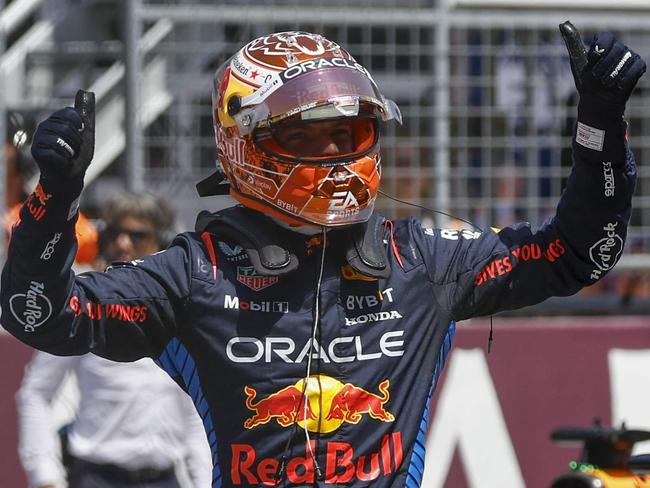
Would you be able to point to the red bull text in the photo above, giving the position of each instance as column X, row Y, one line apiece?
column 341, row 464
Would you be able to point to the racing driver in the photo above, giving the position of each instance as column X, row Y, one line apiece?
column 309, row 330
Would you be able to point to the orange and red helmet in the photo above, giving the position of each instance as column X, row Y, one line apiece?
column 271, row 101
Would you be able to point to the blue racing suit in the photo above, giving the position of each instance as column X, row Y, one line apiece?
column 365, row 350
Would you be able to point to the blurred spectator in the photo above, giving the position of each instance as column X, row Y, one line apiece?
column 134, row 225
column 134, row 426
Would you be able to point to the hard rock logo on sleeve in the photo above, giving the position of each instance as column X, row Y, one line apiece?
column 606, row 251
column 31, row 308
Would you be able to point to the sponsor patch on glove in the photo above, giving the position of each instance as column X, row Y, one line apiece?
column 590, row 137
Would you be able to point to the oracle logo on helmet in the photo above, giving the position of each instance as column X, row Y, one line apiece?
column 320, row 63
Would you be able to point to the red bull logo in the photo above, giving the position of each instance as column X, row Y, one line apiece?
column 351, row 402
column 37, row 201
column 302, row 404
column 341, row 464
column 285, row 406
column 41, row 195
column 320, row 404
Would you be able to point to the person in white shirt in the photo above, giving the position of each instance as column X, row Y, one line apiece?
column 134, row 426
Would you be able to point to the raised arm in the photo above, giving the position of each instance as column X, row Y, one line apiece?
column 518, row 266
column 124, row 314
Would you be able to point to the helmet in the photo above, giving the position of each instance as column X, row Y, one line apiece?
column 273, row 101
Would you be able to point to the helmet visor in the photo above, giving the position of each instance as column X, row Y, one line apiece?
column 337, row 139
column 341, row 88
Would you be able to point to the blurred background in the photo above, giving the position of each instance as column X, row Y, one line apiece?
column 488, row 103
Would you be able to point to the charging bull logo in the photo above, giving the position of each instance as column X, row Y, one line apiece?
column 285, row 406
column 351, row 401
column 329, row 403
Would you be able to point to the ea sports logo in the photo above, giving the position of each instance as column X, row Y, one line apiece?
column 343, row 200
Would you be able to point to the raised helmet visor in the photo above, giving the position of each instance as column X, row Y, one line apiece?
column 341, row 89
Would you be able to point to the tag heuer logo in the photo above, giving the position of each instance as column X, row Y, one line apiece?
column 246, row 276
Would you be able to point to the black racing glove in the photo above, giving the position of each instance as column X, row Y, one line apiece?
column 610, row 70
column 605, row 77
column 64, row 143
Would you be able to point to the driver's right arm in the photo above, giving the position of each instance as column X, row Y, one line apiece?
column 124, row 314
